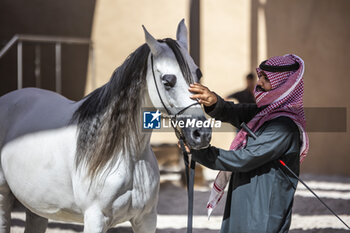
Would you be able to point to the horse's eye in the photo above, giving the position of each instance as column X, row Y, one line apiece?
column 169, row 81
column 199, row 74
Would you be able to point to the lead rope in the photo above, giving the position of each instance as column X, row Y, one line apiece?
column 190, row 173
column 189, row 166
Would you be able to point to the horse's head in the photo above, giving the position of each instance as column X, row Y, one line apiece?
column 170, row 71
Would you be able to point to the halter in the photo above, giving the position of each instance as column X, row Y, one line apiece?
column 178, row 132
column 189, row 163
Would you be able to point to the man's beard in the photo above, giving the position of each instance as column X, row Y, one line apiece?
column 259, row 88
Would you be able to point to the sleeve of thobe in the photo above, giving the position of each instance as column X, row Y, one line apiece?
column 273, row 142
column 228, row 111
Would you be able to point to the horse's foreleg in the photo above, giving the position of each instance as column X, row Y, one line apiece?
column 147, row 223
column 35, row 223
column 6, row 204
column 94, row 221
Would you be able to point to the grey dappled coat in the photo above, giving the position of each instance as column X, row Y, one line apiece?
column 260, row 194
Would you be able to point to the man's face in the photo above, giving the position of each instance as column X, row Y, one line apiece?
column 263, row 83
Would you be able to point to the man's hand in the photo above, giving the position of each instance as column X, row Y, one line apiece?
column 203, row 94
column 186, row 147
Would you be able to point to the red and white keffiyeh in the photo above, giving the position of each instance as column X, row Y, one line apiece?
column 284, row 99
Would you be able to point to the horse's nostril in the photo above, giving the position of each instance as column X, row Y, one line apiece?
column 196, row 134
column 199, row 137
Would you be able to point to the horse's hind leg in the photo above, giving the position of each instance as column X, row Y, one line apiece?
column 6, row 204
column 35, row 223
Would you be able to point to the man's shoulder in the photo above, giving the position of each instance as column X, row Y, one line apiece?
column 282, row 124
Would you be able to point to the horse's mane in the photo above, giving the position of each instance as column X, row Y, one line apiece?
column 108, row 119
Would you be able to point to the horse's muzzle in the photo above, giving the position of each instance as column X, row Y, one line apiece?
column 197, row 135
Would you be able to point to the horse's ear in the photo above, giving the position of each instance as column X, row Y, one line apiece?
column 181, row 34
column 152, row 43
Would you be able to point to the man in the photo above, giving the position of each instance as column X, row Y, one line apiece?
column 246, row 95
column 260, row 194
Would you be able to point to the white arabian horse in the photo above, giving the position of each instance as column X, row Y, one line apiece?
column 90, row 161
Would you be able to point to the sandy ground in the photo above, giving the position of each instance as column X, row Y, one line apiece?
column 309, row 215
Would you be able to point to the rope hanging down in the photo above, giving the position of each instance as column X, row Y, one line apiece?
column 190, row 173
